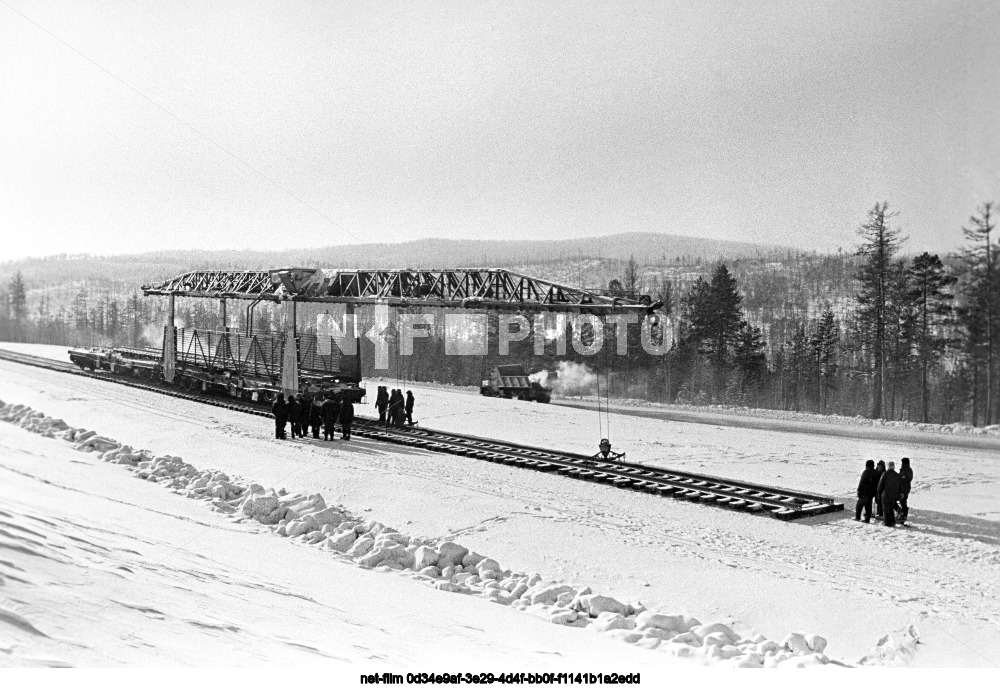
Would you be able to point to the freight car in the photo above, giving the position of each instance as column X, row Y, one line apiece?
column 241, row 366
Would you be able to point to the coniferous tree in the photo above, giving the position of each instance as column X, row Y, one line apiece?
column 715, row 318
column 880, row 242
column 980, row 259
column 665, row 294
column 748, row 355
column 824, row 345
column 797, row 365
column 134, row 317
column 932, row 303
column 901, row 325
column 18, row 302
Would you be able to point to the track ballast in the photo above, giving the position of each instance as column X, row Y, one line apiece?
column 709, row 490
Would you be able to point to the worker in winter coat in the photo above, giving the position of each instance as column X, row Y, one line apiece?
column 888, row 493
column 400, row 413
column 409, row 407
column 395, row 403
column 305, row 401
column 346, row 418
column 293, row 416
column 867, row 487
column 382, row 403
column 280, row 411
column 330, row 410
column 316, row 416
column 879, row 472
column 905, row 481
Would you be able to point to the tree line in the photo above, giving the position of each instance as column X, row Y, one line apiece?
column 919, row 342
column 873, row 333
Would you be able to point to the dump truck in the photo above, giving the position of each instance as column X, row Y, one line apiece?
column 512, row 382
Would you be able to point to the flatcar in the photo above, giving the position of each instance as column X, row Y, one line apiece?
column 241, row 366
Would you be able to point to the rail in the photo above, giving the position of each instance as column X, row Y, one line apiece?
column 726, row 493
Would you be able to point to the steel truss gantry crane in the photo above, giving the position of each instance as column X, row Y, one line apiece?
column 479, row 288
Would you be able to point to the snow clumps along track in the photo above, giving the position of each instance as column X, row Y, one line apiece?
column 443, row 564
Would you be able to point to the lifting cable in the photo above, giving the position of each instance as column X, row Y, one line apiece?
column 607, row 388
column 600, row 423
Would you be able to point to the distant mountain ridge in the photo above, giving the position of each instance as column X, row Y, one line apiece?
column 134, row 269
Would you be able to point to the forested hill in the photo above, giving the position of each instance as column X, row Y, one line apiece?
column 881, row 333
column 132, row 270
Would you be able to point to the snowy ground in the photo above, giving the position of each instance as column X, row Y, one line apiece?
column 849, row 582
column 173, row 584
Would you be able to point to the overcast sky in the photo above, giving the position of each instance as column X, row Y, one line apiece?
column 287, row 123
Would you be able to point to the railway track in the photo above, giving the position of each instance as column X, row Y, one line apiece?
column 709, row 490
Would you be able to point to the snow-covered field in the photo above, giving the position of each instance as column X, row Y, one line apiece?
column 870, row 591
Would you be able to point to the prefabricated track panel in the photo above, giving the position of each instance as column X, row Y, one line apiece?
column 709, row 490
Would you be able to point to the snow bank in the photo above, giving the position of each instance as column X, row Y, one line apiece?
column 829, row 419
column 440, row 563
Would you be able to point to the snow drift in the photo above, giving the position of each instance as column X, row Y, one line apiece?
column 442, row 563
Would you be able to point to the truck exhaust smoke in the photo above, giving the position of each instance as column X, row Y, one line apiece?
column 569, row 379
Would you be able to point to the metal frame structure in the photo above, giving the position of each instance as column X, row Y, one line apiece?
column 475, row 288
column 459, row 288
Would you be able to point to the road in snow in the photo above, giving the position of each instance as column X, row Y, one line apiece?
column 850, row 582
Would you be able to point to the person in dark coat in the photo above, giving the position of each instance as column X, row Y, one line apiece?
column 867, row 487
column 879, row 472
column 280, row 411
column 391, row 411
column 316, row 416
column 346, row 418
column 409, row 407
column 304, row 403
column 293, row 416
column 382, row 403
column 906, row 480
column 396, row 404
column 888, row 493
column 330, row 410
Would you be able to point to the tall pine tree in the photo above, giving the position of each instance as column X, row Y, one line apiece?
column 932, row 303
column 981, row 289
column 715, row 318
column 824, row 346
column 879, row 243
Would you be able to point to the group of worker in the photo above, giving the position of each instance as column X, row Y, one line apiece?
column 393, row 408
column 320, row 411
column 889, row 489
